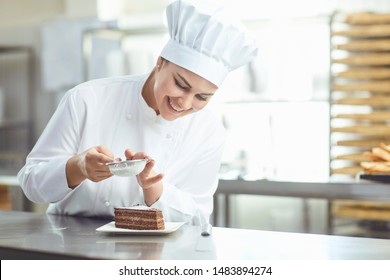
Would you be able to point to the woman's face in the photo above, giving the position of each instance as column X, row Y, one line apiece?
column 179, row 92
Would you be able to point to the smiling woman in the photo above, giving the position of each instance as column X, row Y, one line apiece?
column 162, row 117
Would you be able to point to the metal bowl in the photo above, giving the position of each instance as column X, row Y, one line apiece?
column 127, row 167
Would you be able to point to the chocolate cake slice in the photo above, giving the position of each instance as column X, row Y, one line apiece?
column 139, row 218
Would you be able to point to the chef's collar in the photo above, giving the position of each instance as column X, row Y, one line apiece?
column 146, row 110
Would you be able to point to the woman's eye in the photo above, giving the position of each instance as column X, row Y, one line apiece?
column 180, row 86
column 200, row 97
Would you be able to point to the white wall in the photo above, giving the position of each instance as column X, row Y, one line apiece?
column 26, row 13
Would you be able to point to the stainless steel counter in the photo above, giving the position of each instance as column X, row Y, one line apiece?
column 26, row 235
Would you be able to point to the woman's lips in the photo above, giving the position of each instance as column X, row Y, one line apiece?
column 173, row 107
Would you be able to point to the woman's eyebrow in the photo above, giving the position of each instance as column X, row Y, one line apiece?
column 184, row 80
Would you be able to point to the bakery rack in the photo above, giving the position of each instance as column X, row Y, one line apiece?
column 359, row 100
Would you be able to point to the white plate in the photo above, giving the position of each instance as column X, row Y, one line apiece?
column 169, row 227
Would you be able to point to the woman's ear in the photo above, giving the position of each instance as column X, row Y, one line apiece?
column 159, row 63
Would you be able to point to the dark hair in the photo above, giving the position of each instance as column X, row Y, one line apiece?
column 165, row 60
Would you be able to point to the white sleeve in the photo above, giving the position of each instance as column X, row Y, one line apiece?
column 193, row 201
column 43, row 178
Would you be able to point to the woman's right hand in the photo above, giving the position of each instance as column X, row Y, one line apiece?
column 91, row 164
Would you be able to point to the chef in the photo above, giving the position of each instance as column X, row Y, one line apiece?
column 162, row 116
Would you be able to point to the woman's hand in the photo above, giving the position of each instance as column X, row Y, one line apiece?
column 148, row 179
column 90, row 164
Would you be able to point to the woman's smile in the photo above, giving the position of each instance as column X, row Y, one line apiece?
column 173, row 107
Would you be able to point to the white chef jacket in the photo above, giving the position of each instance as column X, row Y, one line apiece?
column 113, row 113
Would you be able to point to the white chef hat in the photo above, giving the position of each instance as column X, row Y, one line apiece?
column 204, row 40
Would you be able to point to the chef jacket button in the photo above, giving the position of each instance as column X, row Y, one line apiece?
column 129, row 116
column 107, row 203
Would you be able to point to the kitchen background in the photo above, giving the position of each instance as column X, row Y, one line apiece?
column 276, row 110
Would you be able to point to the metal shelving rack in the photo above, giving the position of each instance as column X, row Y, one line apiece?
column 359, row 99
column 16, row 127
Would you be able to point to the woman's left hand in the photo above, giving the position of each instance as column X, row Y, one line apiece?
column 148, row 178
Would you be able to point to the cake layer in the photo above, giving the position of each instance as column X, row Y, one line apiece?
column 139, row 217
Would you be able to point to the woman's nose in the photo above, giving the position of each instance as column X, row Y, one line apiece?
column 185, row 102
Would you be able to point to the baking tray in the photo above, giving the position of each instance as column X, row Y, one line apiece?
column 383, row 178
